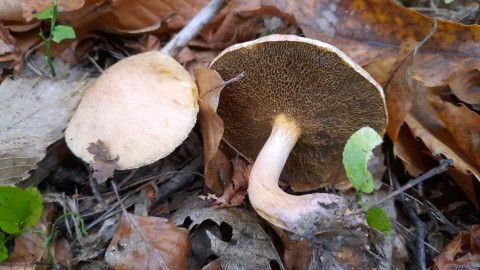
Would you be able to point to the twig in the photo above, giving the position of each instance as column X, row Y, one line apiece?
column 193, row 27
column 419, row 250
column 444, row 164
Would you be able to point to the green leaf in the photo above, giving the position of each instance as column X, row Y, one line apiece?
column 356, row 154
column 61, row 32
column 378, row 219
column 19, row 208
column 46, row 14
column 3, row 248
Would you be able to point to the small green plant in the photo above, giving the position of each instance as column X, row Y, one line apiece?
column 21, row 209
column 57, row 32
column 356, row 154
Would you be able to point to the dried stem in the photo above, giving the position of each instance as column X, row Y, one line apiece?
column 193, row 27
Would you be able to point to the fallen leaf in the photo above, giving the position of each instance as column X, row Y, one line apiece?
column 365, row 31
column 236, row 191
column 14, row 10
column 399, row 93
column 126, row 16
column 414, row 154
column 463, row 252
column 297, row 254
column 446, row 129
column 242, row 245
column 103, row 165
column 30, row 247
column 210, row 84
column 7, row 41
column 31, row 7
column 35, row 111
column 148, row 243
column 466, row 86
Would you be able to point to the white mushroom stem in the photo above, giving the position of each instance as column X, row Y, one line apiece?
column 271, row 202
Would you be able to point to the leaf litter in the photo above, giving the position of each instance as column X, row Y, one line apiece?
column 432, row 99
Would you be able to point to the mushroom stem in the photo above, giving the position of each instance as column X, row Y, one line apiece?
column 271, row 202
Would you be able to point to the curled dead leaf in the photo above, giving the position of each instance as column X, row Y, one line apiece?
column 210, row 84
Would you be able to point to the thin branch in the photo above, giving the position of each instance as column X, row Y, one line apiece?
column 192, row 29
column 444, row 164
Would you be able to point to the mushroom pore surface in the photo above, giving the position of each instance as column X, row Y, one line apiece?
column 317, row 86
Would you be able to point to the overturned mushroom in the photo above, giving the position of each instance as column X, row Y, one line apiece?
column 297, row 106
column 142, row 108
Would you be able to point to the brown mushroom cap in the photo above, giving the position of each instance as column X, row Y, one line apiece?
column 142, row 108
column 322, row 89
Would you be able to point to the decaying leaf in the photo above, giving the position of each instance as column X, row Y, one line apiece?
column 103, row 165
column 236, row 191
column 30, row 247
column 35, row 111
column 14, row 10
column 466, row 86
column 210, row 84
column 366, row 32
column 399, row 94
column 446, row 129
column 242, row 245
column 126, row 16
column 148, row 243
column 462, row 253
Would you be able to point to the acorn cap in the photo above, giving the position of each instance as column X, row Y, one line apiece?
column 142, row 108
column 314, row 83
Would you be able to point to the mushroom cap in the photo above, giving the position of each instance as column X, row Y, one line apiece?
column 142, row 108
column 329, row 96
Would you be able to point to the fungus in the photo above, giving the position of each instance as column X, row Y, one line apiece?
column 142, row 108
column 298, row 104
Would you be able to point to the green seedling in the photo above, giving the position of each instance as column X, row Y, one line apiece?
column 57, row 32
column 21, row 209
column 356, row 155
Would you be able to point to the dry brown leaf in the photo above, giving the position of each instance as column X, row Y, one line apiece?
column 297, row 254
column 148, row 243
column 30, row 7
column 466, row 86
column 468, row 184
column 446, row 129
column 463, row 252
column 210, row 84
column 126, row 16
column 103, row 165
column 399, row 93
column 229, row 27
column 236, row 191
column 30, row 247
column 7, row 41
column 243, row 245
column 414, row 154
column 370, row 30
column 14, row 10
column 34, row 114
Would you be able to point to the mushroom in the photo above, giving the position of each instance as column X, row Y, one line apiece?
column 142, row 108
column 298, row 104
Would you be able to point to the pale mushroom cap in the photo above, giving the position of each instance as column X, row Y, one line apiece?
column 314, row 83
column 142, row 108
